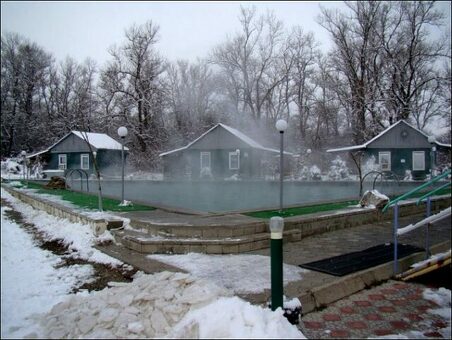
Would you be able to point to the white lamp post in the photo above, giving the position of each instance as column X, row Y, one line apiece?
column 122, row 132
column 432, row 140
column 24, row 163
column 281, row 126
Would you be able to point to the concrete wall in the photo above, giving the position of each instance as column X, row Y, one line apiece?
column 55, row 209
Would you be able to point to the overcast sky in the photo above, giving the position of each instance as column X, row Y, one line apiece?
column 187, row 29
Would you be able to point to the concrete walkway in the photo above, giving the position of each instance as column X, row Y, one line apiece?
column 318, row 289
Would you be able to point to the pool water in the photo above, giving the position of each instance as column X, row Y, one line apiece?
column 227, row 196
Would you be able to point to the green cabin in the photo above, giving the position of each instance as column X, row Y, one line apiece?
column 221, row 153
column 72, row 152
column 401, row 148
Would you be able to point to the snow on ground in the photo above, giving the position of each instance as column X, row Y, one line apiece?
column 442, row 297
column 238, row 273
column 78, row 237
column 30, row 283
column 36, row 300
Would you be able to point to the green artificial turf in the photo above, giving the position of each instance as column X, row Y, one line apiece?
column 296, row 211
column 87, row 201
column 288, row 212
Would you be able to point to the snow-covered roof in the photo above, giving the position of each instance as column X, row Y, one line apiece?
column 37, row 153
column 240, row 135
column 363, row 146
column 443, row 145
column 99, row 140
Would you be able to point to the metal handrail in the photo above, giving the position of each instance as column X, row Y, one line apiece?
column 434, row 191
column 415, row 190
column 69, row 172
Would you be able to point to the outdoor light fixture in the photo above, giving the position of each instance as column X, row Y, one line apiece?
column 281, row 126
column 432, row 140
column 122, row 132
column 276, row 261
column 24, row 163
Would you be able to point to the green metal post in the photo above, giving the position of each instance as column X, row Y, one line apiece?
column 276, row 262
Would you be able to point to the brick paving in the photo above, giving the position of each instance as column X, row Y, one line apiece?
column 391, row 308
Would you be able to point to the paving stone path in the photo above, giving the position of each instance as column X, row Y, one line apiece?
column 391, row 308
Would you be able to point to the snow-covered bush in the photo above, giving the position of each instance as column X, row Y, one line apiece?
column 408, row 176
column 315, row 173
column 370, row 165
column 304, row 173
column 311, row 173
column 234, row 177
column 206, row 172
column 10, row 166
column 338, row 169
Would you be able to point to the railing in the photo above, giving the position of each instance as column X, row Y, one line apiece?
column 69, row 174
column 415, row 190
column 385, row 174
column 395, row 201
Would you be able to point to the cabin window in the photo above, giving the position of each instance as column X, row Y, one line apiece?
column 84, row 161
column 234, row 160
column 418, row 160
column 62, row 162
column 205, row 160
column 384, row 159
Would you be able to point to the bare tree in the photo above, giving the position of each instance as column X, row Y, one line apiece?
column 412, row 56
column 25, row 66
column 132, row 87
column 190, row 94
column 249, row 60
column 356, row 56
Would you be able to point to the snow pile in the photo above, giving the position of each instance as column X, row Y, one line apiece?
column 78, row 237
column 442, row 297
column 174, row 305
column 238, row 273
column 234, row 318
column 338, row 170
column 30, row 282
column 373, row 199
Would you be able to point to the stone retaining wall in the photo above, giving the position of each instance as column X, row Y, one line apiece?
column 296, row 228
column 228, row 239
column 58, row 210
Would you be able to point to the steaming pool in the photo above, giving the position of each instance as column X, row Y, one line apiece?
column 227, row 196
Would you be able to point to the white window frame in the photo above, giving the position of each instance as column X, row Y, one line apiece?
column 231, row 155
column 382, row 154
column 62, row 161
column 82, row 156
column 205, row 153
column 418, row 153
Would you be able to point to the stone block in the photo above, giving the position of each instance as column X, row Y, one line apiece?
column 214, row 249
column 230, row 248
column 227, row 232
column 197, row 248
column 152, row 248
column 244, row 247
column 210, row 232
